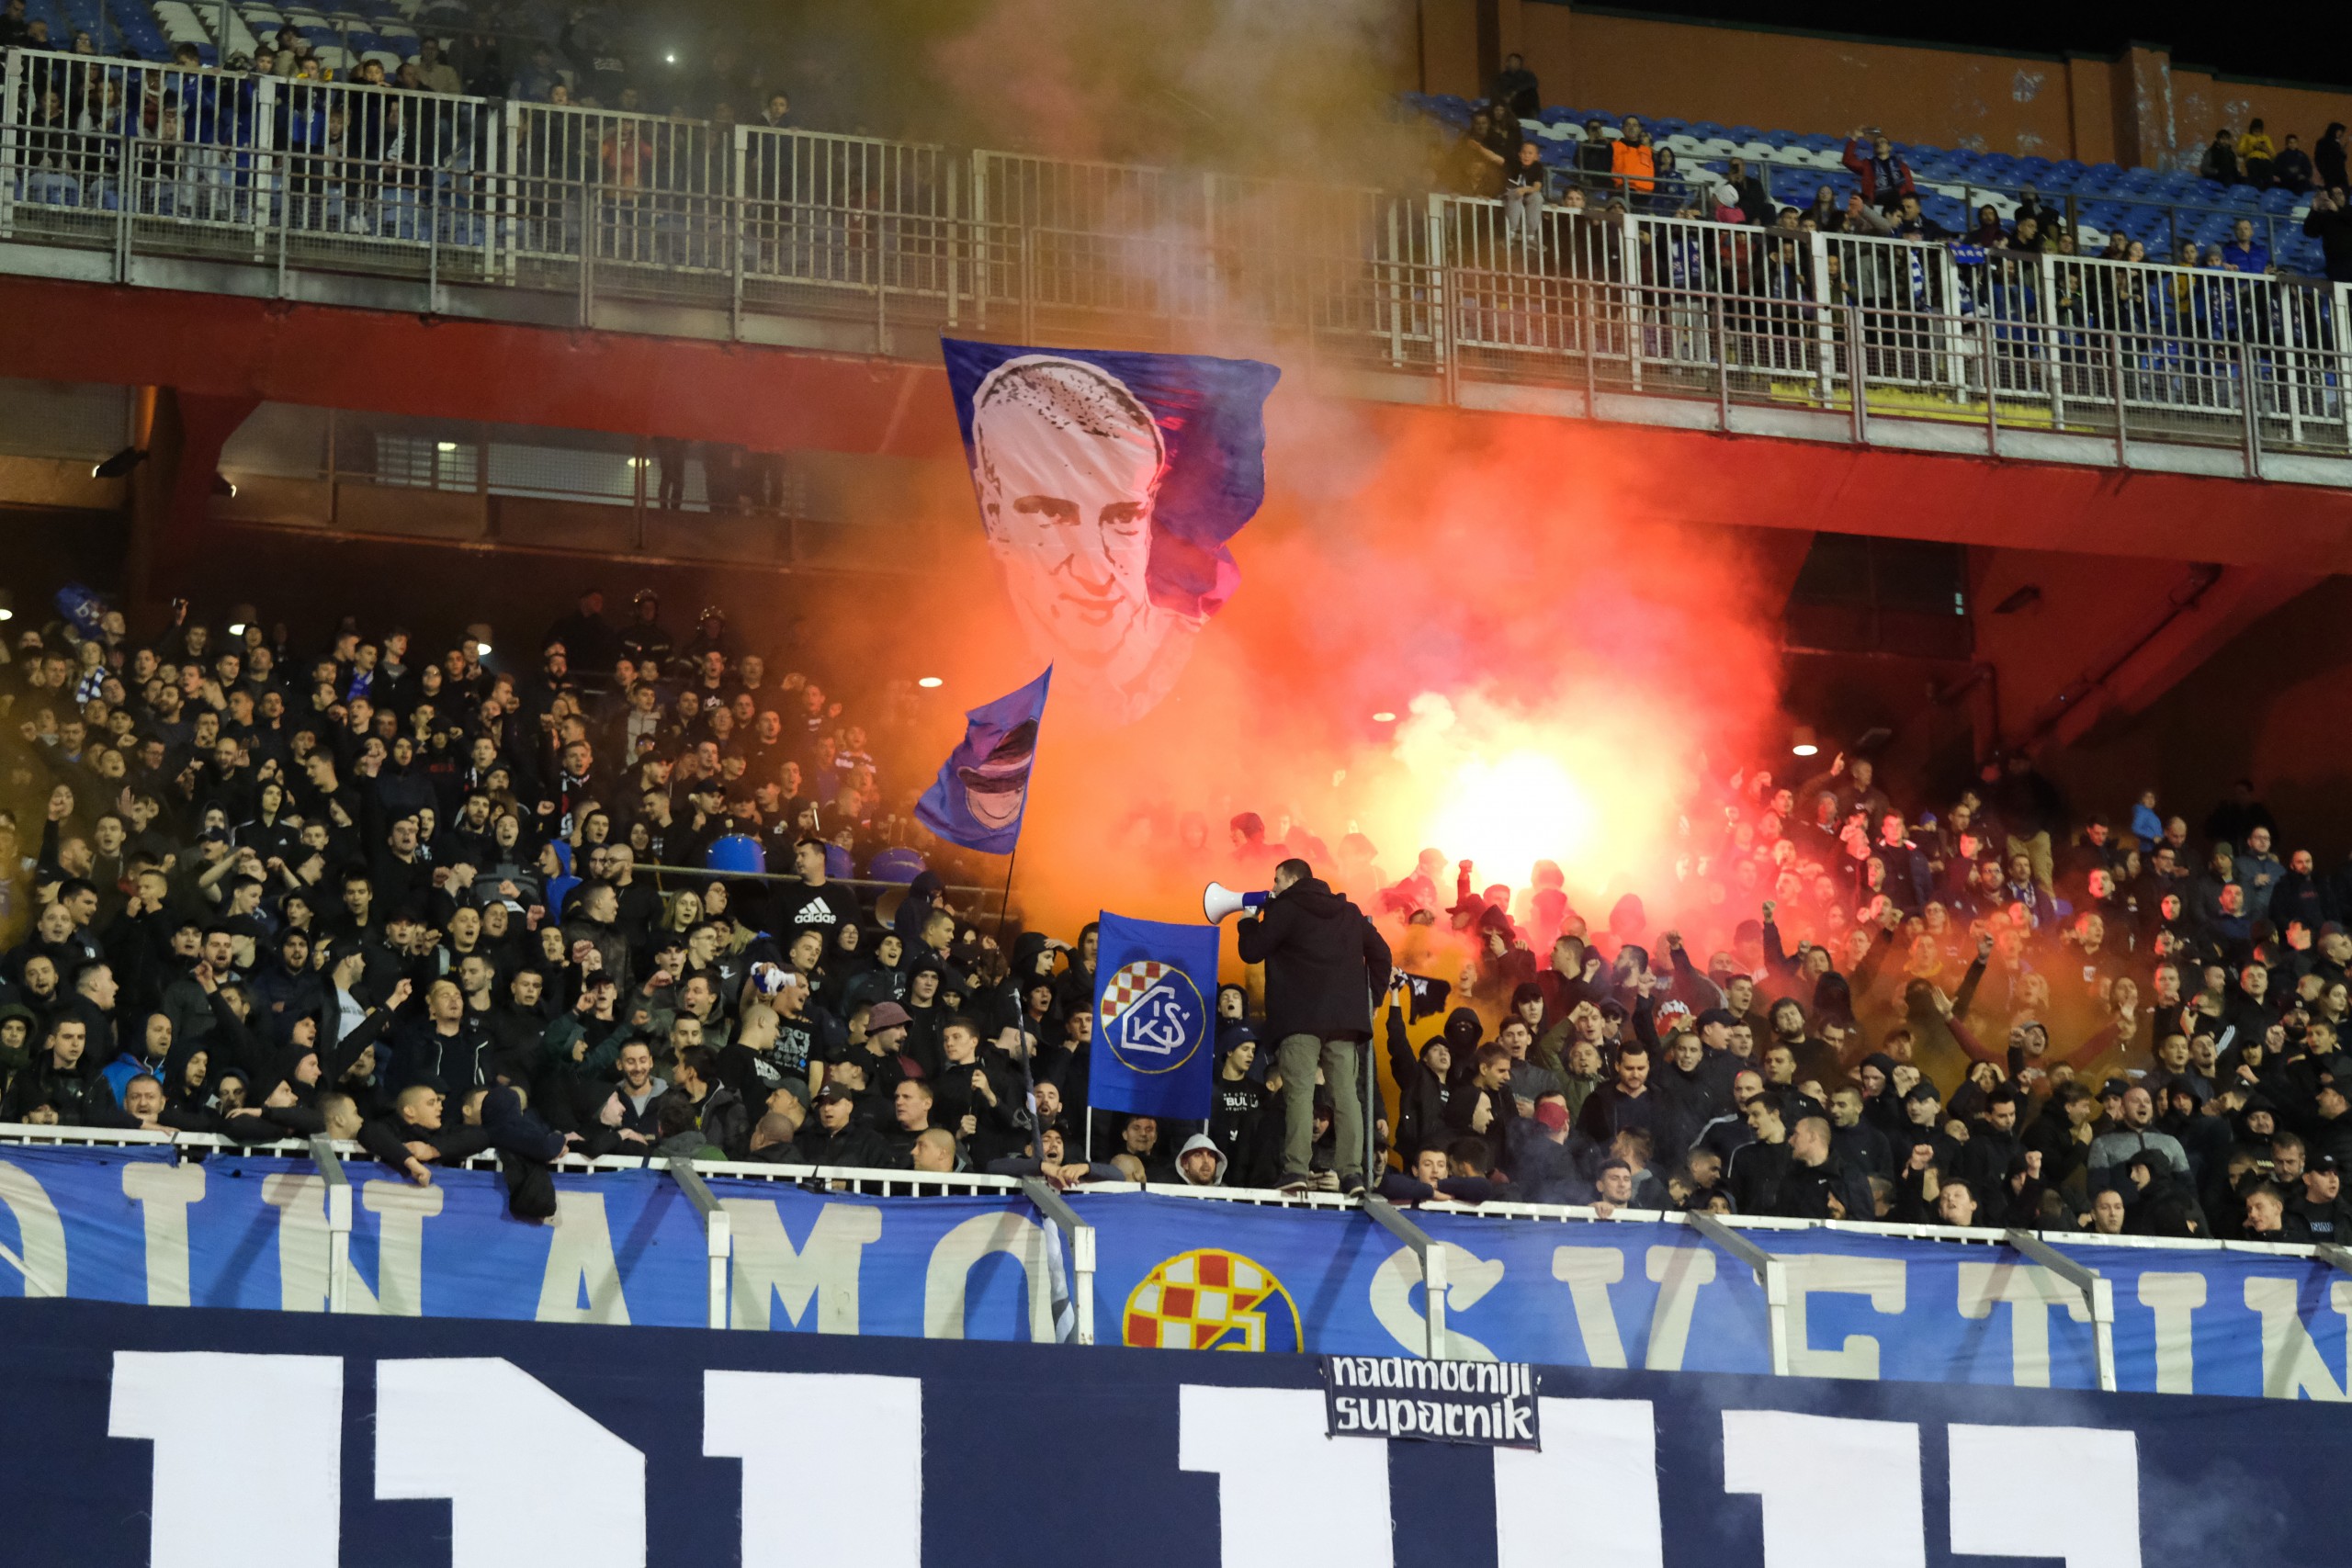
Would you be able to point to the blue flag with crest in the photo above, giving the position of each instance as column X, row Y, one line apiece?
column 1154, row 995
column 983, row 787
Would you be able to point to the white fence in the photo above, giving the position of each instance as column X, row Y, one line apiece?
column 148, row 161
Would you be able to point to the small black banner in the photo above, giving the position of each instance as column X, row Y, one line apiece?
column 1490, row 1404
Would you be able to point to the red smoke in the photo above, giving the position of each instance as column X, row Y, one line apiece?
column 1573, row 669
column 1474, row 562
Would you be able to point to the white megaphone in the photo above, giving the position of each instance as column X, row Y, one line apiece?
column 1218, row 902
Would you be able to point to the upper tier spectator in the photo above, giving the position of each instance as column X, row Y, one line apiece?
column 1633, row 160
column 1885, row 177
column 1515, row 90
column 1596, row 155
column 2220, row 164
column 2256, row 153
column 2328, row 157
column 2330, row 222
column 2292, row 170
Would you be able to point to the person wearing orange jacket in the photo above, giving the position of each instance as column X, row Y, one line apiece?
column 1633, row 159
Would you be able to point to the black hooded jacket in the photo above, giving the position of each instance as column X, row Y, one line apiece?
column 1424, row 1094
column 1324, row 963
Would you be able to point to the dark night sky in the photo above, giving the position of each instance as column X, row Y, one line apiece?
column 2297, row 43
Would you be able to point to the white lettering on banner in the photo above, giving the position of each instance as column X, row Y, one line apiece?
column 2291, row 1365
column 1883, row 1280
column 824, row 1267
column 1598, row 1467
column 834, row 1435
column 2093, row 1521
column 216, row 1422
column 41, row 1235
column 2173, row 1298
column 529, row 1477
column 947, row 1280
column 2030, row 1292
column 163, row 1193
column 1589, row 1272
column 1835, row 1490
column 302, row 1206
column 1286, row 1494
column 1680, row 1271
column 401, row 1209
column 1468, row 1278
column 580, row 1263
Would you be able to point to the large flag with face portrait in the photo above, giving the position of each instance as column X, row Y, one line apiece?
column 1109, row 485
column 983, row 787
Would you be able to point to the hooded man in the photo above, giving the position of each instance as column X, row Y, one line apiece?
column 1200, row 1163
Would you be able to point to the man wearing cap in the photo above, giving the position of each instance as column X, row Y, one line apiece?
column 2320, row 1202
column 1923, row 1107
column 2329, row 1131
column 886, row 1037
column 1324, row 963
column 840, row 1137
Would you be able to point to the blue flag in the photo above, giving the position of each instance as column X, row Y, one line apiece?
column 1155, row 990
column 983, row 787
column 1108, row 486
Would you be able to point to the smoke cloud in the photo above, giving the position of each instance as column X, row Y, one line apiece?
column 1556, row 678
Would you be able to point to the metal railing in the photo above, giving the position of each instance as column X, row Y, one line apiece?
column 1745, row 1238
column 1624, row 316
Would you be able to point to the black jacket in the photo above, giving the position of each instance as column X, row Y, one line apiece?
column 1806, row 1190
column 856, row 1145
column 1324, row 963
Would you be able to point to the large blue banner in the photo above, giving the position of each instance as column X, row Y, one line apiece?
column 1155, row 990
column 1109, row 484
column 200, row 1437
column 626, row 1248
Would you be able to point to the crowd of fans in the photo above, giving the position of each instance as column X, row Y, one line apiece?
column 366, row 891
column 1625, row 170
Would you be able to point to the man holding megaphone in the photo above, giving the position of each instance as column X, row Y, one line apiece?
column 1324, row 964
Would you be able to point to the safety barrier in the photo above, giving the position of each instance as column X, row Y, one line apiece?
column 2092, row 1312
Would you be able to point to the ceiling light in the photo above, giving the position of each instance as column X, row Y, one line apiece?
column 931, row 682
column 1802, row 742
column 1384, row 717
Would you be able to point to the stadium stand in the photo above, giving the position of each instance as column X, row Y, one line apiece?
column 276, row 889
column 2102, row 204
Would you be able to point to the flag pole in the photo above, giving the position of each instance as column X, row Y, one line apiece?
column 1021, row 1010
